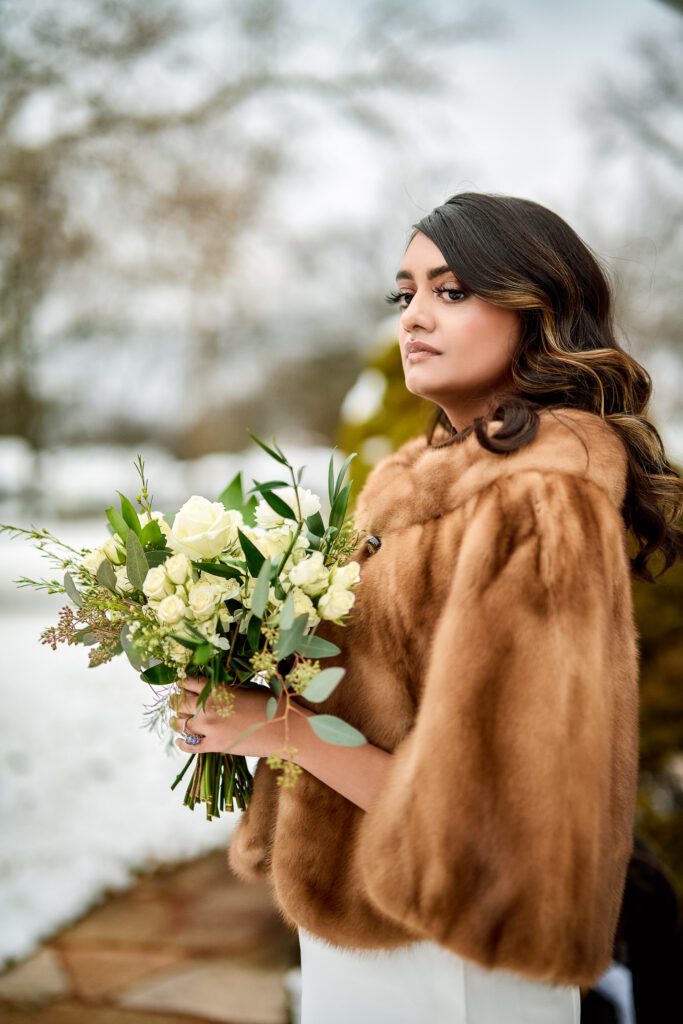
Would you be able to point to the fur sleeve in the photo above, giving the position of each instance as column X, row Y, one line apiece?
column 503, row 829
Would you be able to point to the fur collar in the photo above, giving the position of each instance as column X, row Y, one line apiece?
column 418, row 482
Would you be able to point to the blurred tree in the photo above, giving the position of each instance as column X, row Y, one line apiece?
column 142, row 146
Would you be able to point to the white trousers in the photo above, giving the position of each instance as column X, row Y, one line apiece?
column 422, row 983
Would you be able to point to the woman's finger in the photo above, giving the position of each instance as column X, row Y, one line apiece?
column 194, row 684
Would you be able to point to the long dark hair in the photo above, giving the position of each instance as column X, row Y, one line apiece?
column 518, row 254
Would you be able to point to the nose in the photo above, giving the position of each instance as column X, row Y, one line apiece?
column 417, row 313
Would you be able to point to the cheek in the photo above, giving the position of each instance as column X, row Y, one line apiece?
column 483, row 340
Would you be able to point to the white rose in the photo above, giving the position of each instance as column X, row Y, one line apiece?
column 335, row 603
column 202, row 598
column 171, row 610
column 267, row 516
column 178, row 568
column 203, row 529
column 179, row 653
column 303, row 604
column 225, row 588
column 156, row 584
column 310, row 573
column 114, row 550
column 345, row 575
column 122, row 581
column 93, row 560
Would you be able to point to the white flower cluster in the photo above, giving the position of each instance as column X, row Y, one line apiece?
column 203, row 530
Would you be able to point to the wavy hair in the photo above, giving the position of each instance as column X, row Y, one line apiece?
column 516, row 253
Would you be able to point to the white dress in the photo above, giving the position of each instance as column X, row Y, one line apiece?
column 422, row 983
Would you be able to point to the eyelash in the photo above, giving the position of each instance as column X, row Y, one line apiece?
column 395, row 297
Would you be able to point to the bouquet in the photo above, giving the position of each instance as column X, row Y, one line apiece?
column 231, row 590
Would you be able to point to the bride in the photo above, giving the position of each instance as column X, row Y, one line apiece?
column 467, row 864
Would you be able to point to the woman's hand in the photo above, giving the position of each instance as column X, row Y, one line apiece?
column 219, row 728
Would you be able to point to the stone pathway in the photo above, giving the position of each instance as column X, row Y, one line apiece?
column 185, row 945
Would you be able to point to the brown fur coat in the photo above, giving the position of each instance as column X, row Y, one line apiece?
column 492, row 648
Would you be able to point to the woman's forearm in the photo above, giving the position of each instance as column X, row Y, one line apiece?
column 355, row 772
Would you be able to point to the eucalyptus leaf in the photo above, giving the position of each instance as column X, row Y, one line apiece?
column 322, row 685
column 287, row 612
column 271, row 707
column 132, row 654
column 88, row 638
column 72, row 590
column 334, row 730
column 137, row 565
column 290, row 639
column 105, row 575
column 313, row 646
column 275, row 685
column 259, row 598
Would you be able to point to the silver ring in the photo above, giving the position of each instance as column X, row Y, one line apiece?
column 191, row 738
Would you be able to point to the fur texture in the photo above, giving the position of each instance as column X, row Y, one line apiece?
column 492, row 648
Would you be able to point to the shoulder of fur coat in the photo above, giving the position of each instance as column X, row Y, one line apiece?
column 418, row 482
column 492, row 649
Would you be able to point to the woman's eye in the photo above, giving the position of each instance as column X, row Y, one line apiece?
column 397, row 297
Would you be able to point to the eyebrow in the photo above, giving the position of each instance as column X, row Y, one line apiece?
column 405, row 275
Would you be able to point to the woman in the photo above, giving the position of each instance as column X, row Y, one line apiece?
column 467, row 864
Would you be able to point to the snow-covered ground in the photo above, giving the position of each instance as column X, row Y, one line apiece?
column 85, row 794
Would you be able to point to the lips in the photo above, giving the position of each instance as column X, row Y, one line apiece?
column 420, row 346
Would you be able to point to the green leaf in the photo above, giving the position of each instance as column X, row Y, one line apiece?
column 133, row 656
column 279, row 505
column 254, row 632
column 277, row 455
column 259, row 598
column 287, row 612
column 152, row 535
column 313, row 646
column 338, row 510
column 334, row 730
column 322, row 685
column 157, row 556
column 342, row 472
column 229, row 572
column 315, row 524
column 271, row 707
column 232, row 496
column 249, row 511
column 330, row 477
column 87, row 637
column 129, row 514
column 252, row 554
column 137, row 565
column 105, row 575
column 118, row 523
column 203, row 654
column 72, row 590
column 158, row 675
column 275, row 685
column 289, row 639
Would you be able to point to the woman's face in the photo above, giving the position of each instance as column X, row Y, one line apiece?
column 474, row 340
